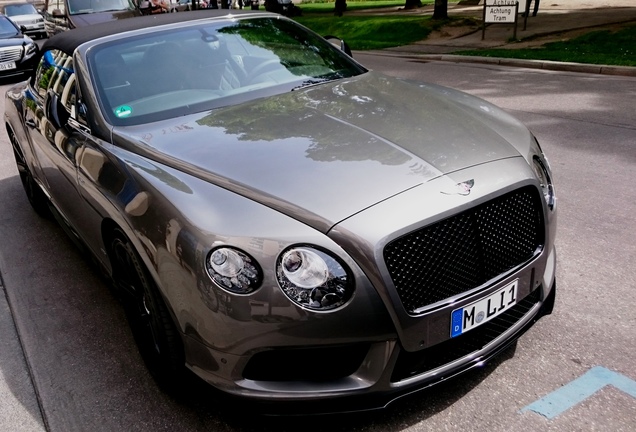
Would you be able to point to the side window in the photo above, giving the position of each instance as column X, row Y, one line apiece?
column 53, row 72
column 55, row 84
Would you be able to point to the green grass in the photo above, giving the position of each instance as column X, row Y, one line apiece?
column 365, row 32
column 599, row 47
column 385, row 30
column 371, row 32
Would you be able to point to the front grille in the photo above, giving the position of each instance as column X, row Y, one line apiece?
column 10, row 54
column 465, row 251
column 414, row 363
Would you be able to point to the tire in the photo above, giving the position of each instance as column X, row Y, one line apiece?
column 38, row 200
column 152, row 326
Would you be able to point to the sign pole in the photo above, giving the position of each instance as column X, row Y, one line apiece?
column 514, row 33
column 483, row 22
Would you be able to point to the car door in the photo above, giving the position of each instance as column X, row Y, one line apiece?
column 57, row 140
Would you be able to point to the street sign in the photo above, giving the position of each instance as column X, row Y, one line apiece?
column 501, row 12
column 522, row 3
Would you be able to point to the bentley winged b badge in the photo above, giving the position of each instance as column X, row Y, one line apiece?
column 462, row 188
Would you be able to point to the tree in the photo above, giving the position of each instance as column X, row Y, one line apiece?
column 412, row 4
column 440, row 12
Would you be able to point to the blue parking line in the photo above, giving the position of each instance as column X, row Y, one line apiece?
column 580, row 389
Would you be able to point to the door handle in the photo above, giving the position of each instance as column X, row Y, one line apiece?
column 30, row 123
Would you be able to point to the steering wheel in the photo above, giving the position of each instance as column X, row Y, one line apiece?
column 262, row 67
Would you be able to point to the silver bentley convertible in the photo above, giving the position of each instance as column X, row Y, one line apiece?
column 278, row 219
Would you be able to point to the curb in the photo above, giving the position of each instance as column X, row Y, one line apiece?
column 539, row 64
column 627, row 71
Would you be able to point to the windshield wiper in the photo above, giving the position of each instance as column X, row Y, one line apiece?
column 309, row 83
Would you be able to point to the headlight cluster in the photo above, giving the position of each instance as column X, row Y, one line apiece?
column 539, row 165
column 234, row 270
column 309, row 277
column 30, row 49
column 313, row 279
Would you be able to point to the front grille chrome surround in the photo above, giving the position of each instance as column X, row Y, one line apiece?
column 10, row 54
column 464, row 251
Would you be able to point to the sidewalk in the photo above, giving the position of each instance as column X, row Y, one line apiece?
column 556, row 20
column 19, row 408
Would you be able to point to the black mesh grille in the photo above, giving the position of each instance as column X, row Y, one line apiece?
column 414, row 363
column 464, row 251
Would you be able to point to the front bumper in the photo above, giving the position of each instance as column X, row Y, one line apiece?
column 376, row 384
column 24, row 64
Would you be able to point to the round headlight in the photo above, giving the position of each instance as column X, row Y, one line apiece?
column 313, row 279
column 543, row 175
column 233, row 270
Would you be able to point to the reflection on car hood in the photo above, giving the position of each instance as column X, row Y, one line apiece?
column 327, row 152
column 83, row 20
column 12, row 41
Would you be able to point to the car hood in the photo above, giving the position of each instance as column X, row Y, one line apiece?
column 21, row 19
column 326, row 152
column 83, row 20
column 12, row 41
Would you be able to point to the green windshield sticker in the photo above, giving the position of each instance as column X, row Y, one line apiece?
column 123, row 111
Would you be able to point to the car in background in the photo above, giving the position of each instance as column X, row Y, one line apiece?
column 180, row 5
column 61, row 15
column 25, row 15
column 285, row 223
column 283, row 7
column 17, row 50
column 165, row 6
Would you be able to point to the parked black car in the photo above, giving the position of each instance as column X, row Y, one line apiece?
column 61, row 15
column 17, row 51
column 283, row 7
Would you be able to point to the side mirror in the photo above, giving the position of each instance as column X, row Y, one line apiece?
column 144, row 4
column 23, row 29
column 340, row 44
column 58, row 13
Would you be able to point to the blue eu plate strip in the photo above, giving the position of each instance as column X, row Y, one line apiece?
column 456, row 322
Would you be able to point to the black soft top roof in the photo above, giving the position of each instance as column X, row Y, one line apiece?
column 68, row 41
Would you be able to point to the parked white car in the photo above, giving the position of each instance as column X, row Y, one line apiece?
column 25, row 14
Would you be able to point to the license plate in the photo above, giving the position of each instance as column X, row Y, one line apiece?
column 475, row 314
column 7, row 66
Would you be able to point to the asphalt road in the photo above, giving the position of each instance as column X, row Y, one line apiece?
column 75, row 366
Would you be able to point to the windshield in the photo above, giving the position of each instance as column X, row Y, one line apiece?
column 205, row 66
column 22, row 9
column 7, row 28
column 77, row 7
